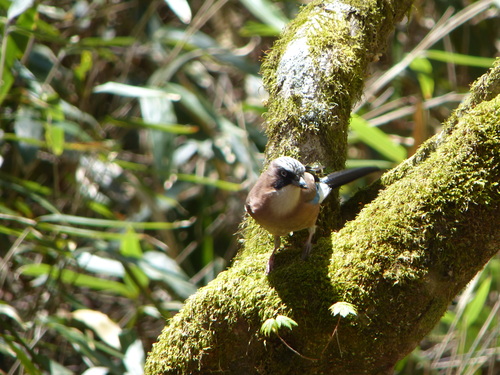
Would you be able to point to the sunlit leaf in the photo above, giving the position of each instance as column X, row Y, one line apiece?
column 377, row 139
column 17, row 7
column 460, row 59
column 100, row 265
column 106, row 329
column 267, row 12
column 181, row 9
column 158, row 266
column 252, row 28
column 423, row 68
column 58, row 369
column 134, row 358
column 99, row 370
column 343, row 309
column 134, row 91
column 11, row 312
column 269, row 326
column 285, row 321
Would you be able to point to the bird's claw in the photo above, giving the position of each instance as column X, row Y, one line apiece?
column 270, row 264
column 307, row 250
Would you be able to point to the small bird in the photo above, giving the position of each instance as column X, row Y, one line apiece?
column 287, row 197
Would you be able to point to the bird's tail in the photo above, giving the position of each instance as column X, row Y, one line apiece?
column 339, row 178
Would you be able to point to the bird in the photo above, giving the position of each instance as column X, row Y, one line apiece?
column 287, row 197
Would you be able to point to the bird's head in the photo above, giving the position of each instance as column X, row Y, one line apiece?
column 287, row 171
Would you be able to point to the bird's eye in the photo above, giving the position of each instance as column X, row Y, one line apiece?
column 283, row 173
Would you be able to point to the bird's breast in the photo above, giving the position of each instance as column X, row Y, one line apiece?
column 283, row 211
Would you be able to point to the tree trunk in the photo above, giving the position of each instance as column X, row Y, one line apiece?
column 431, row 228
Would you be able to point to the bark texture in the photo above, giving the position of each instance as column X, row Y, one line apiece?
column 432, row 227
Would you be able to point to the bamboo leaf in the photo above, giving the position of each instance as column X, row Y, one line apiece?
column 224, row 185
column 116, row 224
column 74, row 278
column 378, row 140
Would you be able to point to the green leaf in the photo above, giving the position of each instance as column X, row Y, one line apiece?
column 85, row 65
column 252, row 28
column 477, row 304
column 86, row 345
column 224, row 185
column 27, row 362
column 27, row 188
column 159, row 267
column 285, row 321
column 343, row 309
column 272, row 325
column 7, row 78
column 130, row 245
column 54, row 136
column 10, row 232
column 135, row 279
column 117, row 224
column 267, row 12
column 460, row 59
column 377, row 139
column 423, row 68
column 74, row 278
column 269, row 326
column 164, row 127
column 120, row 41
column 79, row 232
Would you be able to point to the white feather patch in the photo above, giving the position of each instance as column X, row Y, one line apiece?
column 322, row 191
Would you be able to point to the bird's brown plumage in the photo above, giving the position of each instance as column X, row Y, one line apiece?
column 283, row 211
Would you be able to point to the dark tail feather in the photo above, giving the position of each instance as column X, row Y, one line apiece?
column 339, row 178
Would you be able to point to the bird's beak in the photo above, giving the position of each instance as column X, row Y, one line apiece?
column 301, row 183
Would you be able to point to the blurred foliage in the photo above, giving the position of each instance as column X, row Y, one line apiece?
column 130, row 133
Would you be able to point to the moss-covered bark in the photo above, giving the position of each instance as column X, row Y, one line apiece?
column 433, row 225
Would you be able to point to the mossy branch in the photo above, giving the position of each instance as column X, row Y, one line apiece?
column 432, row 227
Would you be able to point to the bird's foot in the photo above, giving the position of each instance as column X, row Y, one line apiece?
column 307, row 250
column 308, row 244
column 270, row 264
